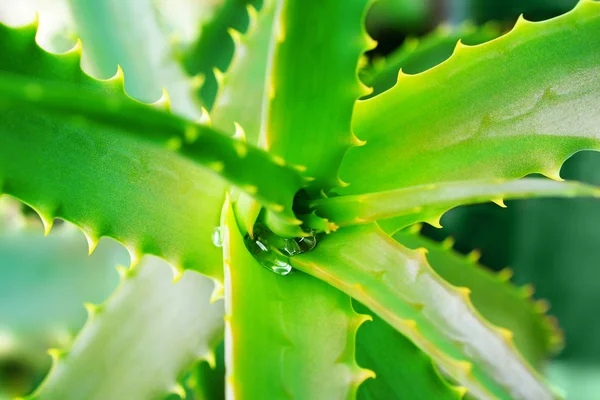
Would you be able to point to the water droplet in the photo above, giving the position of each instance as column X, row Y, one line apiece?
column 273, row 252
column 217, row 237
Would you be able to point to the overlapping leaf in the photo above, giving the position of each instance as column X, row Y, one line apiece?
column 285, row 337
column 138, row 342
column 398, row 285
column 519, row 104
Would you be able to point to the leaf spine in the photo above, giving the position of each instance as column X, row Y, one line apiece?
column 505, row 274
column 219, row 76
column 474, row 256
column 197, row 81
column 164, row 102
column 217, row 294
column 178, row 390
column 499, row 202
column 240, row 133
column 56, row 354
column 177, row 272
column 448, row 243
column 91, row 240
column 205, row 117
column 527, row 291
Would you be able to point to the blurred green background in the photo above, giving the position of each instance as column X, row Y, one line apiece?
column 552, row 244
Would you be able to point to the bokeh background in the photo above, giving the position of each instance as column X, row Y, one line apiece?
column 552, row 244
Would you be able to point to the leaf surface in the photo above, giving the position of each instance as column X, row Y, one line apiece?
column 398, row 285
column 285, row 336
column 313, row 85
column 211, row 53
column 419, row 54
column 401, row 370
column 516, row 105
column 136, row 344
column 246, row 77
column 402, row 207
column 499, row 301
column 128, row 34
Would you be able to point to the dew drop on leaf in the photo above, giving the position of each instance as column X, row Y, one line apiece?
column 217, row 237
column 273, row 252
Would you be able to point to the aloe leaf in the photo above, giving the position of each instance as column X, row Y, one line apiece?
column 423, row 203
column 398, row 285
column 313, row 85
column 49, row 278
column 419, row 54
column 503, row 109
column 493, row 295
column 402, row 371
column 245, row 78
column 128, row 34
column 211, row 54
column 88, row 143
column 285, row 336
column 155, row 315
column 56, row 27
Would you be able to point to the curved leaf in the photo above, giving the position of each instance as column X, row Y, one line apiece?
column 419, row 54
column 128, row 34
column 494, row 297
column 212, row 51
column 402, row 207
column 246, row 77
column 140, row 137
column 402, row 371
column 285, row 336
column 516, row 105
column 136, row 344
column 313, row 85
column 400, row 286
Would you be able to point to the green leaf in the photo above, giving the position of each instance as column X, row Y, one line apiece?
column 500, row 302
column 138, row 143
column 313, row 85
column 398, row 285
column 419, row 54
column 136, row 344
column 402, row 207
column 211, row 54
column 402, row 371
column 246, row 77
column 43, row 283
column 51, row 277
column 502, row 109
column 127, row 33
column 285, row 336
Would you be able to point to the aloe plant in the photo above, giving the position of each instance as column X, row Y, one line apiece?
column 279, row 188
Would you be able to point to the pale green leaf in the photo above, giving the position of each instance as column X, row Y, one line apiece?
column 136, row 344
column 398, row 285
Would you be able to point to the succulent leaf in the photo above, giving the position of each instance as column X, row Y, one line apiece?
column 419, row 54
column 246, row 77
column 211, row 54
column 402, row 371
column 285, row 336
column 500, row 302
column 503, row 109
column 61, row 88
column 399, row 285
column 403, row 207
column 313, row 85
column 128, row 34
column 117, row 356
